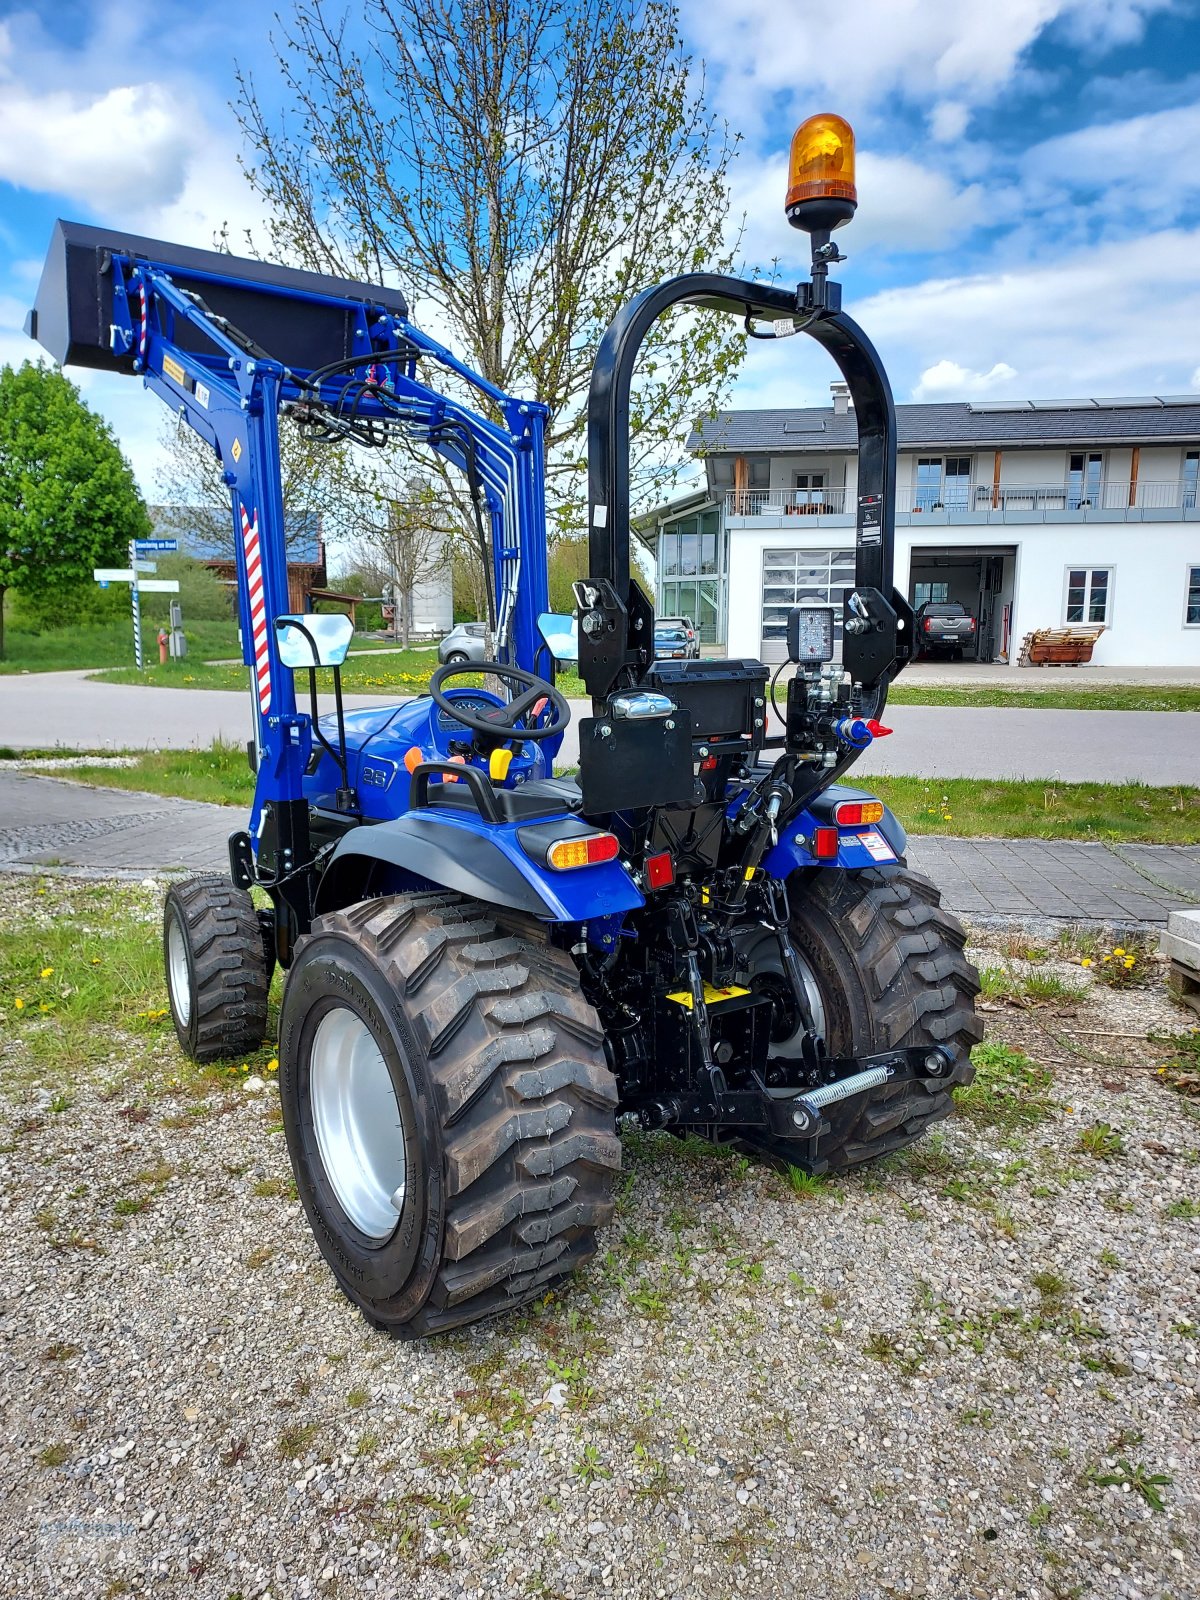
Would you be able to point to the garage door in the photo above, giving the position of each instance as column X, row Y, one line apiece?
column 791, row 577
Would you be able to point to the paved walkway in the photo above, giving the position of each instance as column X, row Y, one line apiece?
column 67, row 709
column 48, row 822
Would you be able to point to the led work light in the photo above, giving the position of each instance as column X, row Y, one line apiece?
column 821, row 195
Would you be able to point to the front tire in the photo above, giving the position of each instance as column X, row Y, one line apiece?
column 456, row 658
column 888, row 962
column 448, row 1109
column 216, row 967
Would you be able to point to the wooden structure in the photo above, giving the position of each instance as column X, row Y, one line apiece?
column 1059, row 647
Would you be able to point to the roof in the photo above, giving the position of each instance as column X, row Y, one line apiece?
column 1151, row 419
column 207, row 535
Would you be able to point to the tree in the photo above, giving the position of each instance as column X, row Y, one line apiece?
column 314, row 479
column 404, row 533
column 521, row 168
column 68, row 500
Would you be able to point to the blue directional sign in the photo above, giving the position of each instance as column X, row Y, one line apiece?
column 144, row 546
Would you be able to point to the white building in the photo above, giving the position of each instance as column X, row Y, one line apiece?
column 1033, row 514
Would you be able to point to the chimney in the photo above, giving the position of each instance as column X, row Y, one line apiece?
column 841, row 398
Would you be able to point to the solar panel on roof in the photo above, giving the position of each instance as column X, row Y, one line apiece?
column 1179, row 399
column 1063, row 405
column 817, row 426
column 1129, row 402
column 999, row 405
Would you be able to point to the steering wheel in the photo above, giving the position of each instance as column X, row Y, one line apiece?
column 498, row 725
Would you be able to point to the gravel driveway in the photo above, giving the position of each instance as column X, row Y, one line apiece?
column 908, row 1383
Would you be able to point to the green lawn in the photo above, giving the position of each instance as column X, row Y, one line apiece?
column 1104, row 697
column 965, row 807
column 398, row 674
column 111, row 645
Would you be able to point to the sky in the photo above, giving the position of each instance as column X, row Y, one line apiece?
column 1028, row 176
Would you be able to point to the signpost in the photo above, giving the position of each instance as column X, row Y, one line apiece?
column 132, row 576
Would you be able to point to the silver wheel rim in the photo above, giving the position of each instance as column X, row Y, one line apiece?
column 177, row 972
column 764, row 957
column 359, row 1128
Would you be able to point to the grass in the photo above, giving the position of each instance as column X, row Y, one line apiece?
column 109, row 645
column 1082, row 697
column 399, row 673
column 1009, row 1092
column 974, row 808
column 221, row 774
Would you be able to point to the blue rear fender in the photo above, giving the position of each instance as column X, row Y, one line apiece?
column 860, row 845
column 452, row 849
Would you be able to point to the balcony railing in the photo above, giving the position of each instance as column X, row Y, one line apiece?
column 976, row 498
column 785, row 502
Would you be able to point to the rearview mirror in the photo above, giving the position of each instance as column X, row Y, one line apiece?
column 561, row 634
column 313, row 640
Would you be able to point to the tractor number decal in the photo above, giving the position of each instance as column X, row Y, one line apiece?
column 258, row 610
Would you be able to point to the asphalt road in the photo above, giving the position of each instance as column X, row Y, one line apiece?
column 67, row 709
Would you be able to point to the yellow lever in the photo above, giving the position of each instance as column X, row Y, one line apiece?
column 498, row 764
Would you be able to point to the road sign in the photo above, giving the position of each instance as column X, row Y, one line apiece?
column 144, row 546
column 158, row 585
column 132, row 575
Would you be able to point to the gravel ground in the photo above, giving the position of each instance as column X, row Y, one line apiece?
column 908, row 1383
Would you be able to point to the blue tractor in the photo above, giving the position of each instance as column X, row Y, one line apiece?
column 488, row 965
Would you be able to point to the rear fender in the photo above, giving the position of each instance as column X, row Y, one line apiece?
column 451, row 850
column 876, row 845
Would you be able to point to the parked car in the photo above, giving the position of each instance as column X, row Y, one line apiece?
column 670, row 640
column 684, row 623
column 464, row 642
column 946, row 628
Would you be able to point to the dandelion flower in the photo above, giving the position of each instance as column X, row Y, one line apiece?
column 1118, row 950
column 47, row 972
column 273, row 1065
column 19, row 1003
column 1087, row 962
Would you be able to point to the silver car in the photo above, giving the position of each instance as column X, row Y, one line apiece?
column 464, row 642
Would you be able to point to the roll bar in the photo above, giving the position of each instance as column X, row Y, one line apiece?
column 617, row 625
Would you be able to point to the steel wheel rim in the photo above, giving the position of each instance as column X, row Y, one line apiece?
column 177, row 972
column 358, row 1123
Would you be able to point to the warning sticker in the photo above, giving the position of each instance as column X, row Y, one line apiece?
column 173, row 370
column 876, row 845
column 235, row 450
column 712, row 997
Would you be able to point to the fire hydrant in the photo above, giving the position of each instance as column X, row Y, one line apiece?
column 162, row 647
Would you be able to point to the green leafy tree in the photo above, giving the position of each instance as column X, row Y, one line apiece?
column 68, row 500
column 521, row 170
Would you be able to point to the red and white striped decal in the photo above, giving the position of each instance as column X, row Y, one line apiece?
column 258, row 610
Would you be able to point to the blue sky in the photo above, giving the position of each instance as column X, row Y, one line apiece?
column 1029, row 174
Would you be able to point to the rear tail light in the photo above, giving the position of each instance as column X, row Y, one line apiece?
column 564, row 855
column 970, row 624
column 825, row 844
column 928, row 625
column 853, row 813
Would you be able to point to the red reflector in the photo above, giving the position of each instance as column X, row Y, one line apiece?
column 660, row 870
column 709, row 764
column 825, row 843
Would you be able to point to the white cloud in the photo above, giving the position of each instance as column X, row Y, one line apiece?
column 858, row 51
column 948, row 121
column 946, row 380
column 1061, row 324
column 1141, row 167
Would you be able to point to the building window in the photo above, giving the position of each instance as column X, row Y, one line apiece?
column 809, row 488
column 926, row 593
column 1191, row 613
column 1084, row 480
column 1191, row 473
column 791, row 577
column 942, row 484
column 1089, row 594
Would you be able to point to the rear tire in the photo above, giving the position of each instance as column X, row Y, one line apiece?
column 217, row 976
column 456, row 658
column 888, row 962
column 479, row 1050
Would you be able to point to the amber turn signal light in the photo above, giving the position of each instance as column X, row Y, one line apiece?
column 853, row 813
column 565, row 854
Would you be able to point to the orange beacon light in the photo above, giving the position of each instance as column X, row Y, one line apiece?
column 821, row 195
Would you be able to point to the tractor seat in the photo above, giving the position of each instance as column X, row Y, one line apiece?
column 540, row 797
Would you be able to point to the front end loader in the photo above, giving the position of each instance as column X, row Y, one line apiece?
column 488, row 966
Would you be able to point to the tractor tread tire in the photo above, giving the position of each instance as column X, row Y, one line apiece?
column 888, row 931
column 230, row 978
column 522, row 1104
